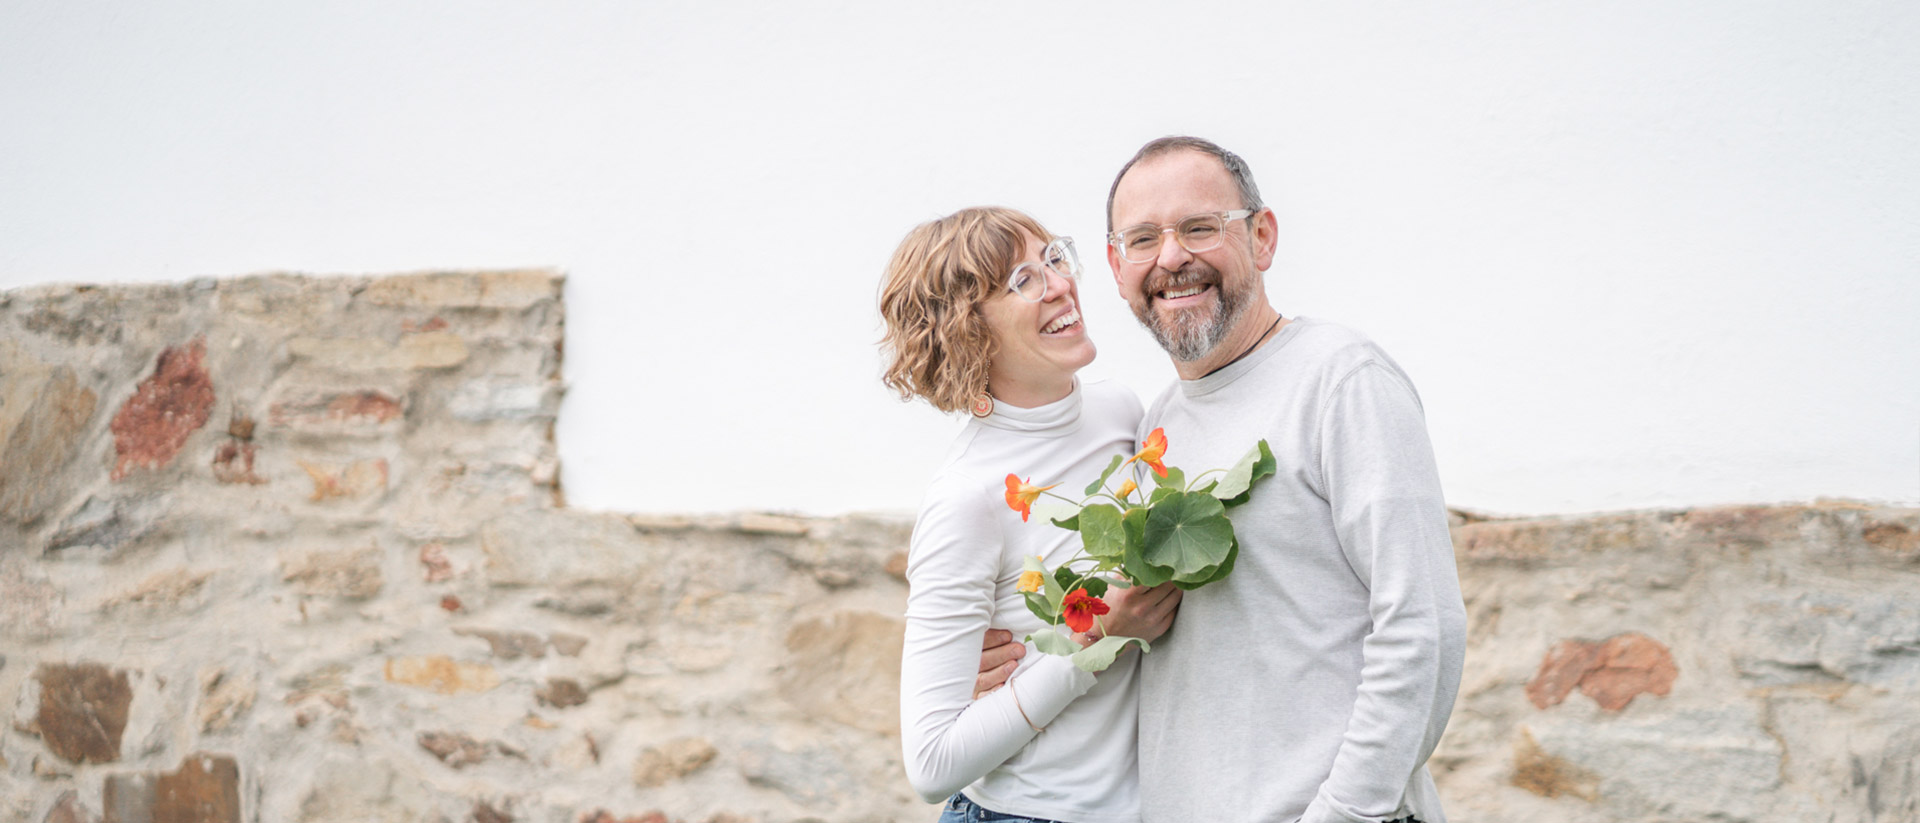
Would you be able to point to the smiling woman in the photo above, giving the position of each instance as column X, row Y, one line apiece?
column 982, row 310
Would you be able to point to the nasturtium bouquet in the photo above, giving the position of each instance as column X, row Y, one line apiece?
column 1177, row 532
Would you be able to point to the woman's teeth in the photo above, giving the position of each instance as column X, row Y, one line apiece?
column 1062, row 322
column 1188, row 292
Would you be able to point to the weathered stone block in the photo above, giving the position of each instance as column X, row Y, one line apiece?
column 497, row 398
column 565, row 551
column 225, row 697
column 41, row 418
column 493, row 290
column 1832, row 636
column 508, row 645
column 28, row 601
column 355, row 480
column 433, row 558
column 846, row 668
column 1731, row 765
column 205, row 789
column 355, row 409
column 561, row 693
column 164, row 592
column 233, row 463
column 754, row 523
column 110, row 523
column 484, row 812
column 459, row 750
column 69, row 809
column 670, row 761
column 352, row 787
column 812, row 776
column 441, row 674
column 427, row 350
column 167, row 407
column 83, row 711
column 352, row 573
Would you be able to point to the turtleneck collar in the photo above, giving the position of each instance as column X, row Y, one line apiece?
column 1056, row 419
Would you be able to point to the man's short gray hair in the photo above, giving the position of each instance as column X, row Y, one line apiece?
column 1236, row 168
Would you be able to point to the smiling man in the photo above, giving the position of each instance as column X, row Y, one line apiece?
column 1314, row 681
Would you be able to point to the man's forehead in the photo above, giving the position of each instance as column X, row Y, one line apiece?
column 1172, row 185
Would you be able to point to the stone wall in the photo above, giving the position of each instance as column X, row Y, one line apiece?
column 293, row 549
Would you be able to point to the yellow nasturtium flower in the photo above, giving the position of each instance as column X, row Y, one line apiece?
column 1127, row 488
column 1030, row 581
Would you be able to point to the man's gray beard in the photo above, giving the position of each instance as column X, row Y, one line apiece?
column 1194, row 338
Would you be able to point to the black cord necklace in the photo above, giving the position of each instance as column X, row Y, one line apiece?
column 1256, row 344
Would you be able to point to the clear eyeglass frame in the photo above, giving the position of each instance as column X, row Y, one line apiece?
column 1195, row 233
column 1029, row 280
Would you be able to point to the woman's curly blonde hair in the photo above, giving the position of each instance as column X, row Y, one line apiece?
column 937, row 339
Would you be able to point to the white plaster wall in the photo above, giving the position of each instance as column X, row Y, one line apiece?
column 1634, row 254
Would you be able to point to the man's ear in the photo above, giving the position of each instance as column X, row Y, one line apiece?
column 1113, row 262
column 1265, row 239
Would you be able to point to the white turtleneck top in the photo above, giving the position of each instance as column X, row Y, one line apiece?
column 962, row 569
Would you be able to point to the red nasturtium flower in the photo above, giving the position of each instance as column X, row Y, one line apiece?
column 1080, row 609
column 1152, row 450
column 1020, row 495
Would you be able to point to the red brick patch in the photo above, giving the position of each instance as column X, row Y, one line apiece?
column 168, row 406
column 1612, row 672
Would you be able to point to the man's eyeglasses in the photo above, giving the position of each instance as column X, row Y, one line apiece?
column 1197, row 233
column 1029, row 280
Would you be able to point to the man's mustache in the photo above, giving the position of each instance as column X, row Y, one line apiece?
column 1191, row 274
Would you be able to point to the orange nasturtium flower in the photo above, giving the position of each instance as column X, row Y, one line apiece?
column 1080, row 608
column 1020, row 495
column 1030, row 581
column 1152, row 450
column 1127, row 488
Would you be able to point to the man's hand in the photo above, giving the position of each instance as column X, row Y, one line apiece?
column 1140, row 612
column 999, row 655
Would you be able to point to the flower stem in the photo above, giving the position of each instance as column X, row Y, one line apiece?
column 1196, row 478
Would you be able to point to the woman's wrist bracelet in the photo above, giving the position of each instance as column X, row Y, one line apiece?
column 1023, row 711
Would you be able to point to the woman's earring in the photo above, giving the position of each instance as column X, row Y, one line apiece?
column 983, row 402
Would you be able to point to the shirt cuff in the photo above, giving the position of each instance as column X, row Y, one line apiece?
column 1046, row 687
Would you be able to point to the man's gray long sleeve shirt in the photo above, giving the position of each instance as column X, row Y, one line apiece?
column 1314, row 681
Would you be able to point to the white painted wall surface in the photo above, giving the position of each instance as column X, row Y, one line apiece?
column 1634, row 254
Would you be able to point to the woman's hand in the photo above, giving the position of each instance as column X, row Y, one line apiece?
column 1140, row 612
column 999, row 656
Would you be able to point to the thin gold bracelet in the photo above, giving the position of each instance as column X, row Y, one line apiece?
column 1023, row 711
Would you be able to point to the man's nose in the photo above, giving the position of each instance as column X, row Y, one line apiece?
column 1172, row 254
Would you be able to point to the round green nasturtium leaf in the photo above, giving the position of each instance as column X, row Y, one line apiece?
column 1189, row 533
column 1209, row 575
column 1053, row 643
column 1101, row 533
column 1100, row 655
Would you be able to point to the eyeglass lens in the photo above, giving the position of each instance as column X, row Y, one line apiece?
column 1030, row 280
column 1198, row 233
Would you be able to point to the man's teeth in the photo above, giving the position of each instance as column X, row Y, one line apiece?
column 1071, row 317
column 1188, row 292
